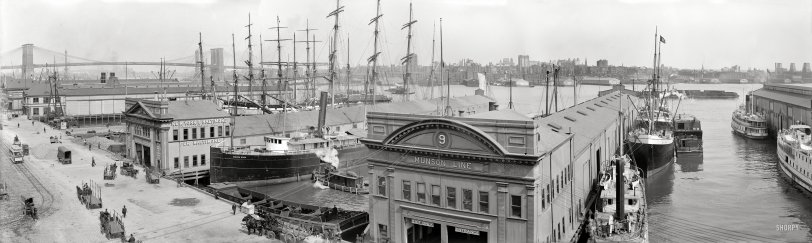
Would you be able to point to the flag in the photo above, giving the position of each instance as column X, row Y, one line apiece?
column 662, row 39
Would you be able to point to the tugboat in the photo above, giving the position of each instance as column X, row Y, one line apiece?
column 687, row 135
column 621, row 211
column 794, row 153
column 749, row 124
column 652, row 142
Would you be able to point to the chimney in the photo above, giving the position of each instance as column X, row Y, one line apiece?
column 620, row 190
column 322, row 114
column 103, row 77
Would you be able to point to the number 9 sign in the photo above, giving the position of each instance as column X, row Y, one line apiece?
column 441, row 139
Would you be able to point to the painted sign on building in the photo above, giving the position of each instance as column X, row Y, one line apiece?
column 444, row 163
column 201, row 142
column 197, row 123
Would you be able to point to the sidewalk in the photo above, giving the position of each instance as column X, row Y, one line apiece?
column 155, row 213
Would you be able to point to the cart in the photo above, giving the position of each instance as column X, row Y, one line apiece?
column 28, row 207
column 128, row 169
column 64, row 155
column 111, row 226
column 3, row 191
column 89, row 195
column 110, row 172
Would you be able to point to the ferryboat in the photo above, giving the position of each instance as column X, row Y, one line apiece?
column 749, row 124
column 687, row 135
column 621, row 214
column 795, row 155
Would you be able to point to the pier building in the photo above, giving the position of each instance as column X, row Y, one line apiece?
column 783, row 105
column 496, row 176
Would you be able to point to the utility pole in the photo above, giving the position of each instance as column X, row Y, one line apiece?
column 510, row 87
column 547, row 93
column 431, row 73
column 279, row 40
column 334, row 50
column 202, row 76
column 250, row 61
column 409, row 55
column 375, row 53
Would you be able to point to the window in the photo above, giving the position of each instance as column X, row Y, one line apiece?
column 228, row 130
column 211, row 132
column 35, row 111
column 483, row 202
column 177, row 162
column 202, row 132
column 435, row 195
column 407, row 190
column 185, row 161
column 175, row 134
column 516, row 206
column 421, row 192
column 220, row 131
column 451, row 197
column 202, row 159
column 543, row 199
column 381, row 185
column 185, row 134
column 194, row 160
column 194, row 133
column 383, row 230
column 35, row 100
column 467, row 199
column 242, row 141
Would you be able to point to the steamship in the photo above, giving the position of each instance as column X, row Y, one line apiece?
column 621, row 214
column 795, row 153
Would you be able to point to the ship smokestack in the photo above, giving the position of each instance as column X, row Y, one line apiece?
column 322, row 114
column 620, row 189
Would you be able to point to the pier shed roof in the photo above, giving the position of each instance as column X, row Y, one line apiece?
column 584, row 122
column 791, row 98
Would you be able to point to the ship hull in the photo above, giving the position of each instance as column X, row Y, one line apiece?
column 262, row 169
column 750, row 136
column 651, row 158
column 786, row 158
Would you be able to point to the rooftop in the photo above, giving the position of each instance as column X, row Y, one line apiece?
column 194, row 109
column 44, row 90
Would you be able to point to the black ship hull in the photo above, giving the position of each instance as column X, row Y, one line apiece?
column 227, row 167
column 651, row 158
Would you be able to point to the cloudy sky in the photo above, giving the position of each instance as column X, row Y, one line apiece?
column 716, row 33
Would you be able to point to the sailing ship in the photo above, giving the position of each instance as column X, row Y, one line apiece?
column 795, row 153
column 749, row 124
column 652, row 142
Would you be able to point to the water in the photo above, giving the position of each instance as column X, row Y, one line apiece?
column 734, row 192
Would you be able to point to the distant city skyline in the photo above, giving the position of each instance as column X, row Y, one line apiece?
column 713, row 33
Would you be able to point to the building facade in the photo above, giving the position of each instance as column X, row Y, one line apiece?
column 174, row 137
column 492, row 177
column 783, row 105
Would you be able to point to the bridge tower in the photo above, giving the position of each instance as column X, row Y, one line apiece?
column 28, row 61
column 217, row 67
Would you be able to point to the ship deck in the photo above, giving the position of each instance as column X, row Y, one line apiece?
column 305, row 193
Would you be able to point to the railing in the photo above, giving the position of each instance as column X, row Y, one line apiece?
column 248, row 151
column 342, row 188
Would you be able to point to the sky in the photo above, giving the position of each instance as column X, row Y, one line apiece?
column 713, row 33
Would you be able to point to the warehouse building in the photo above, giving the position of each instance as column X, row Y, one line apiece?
column 496, row 176
column 783, row 105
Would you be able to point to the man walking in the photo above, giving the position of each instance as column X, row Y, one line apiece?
column 233, row 208
column 124, row 211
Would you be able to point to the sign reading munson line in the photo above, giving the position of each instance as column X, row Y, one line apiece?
column 443, row 163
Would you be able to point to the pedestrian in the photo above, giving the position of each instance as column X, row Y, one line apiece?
column 18, row 125
column 132, row 239
column 89, row 147
column 93, row 162
column 124, row 211
column 43, row 129
column 233, row 208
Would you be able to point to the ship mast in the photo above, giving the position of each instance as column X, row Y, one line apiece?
column 280, row 88
column 334, row 51
column 295, row 69
column 250, row 61
column 262, row 74
column 448, row 111
column 407, row 60
column 234, row 101
column 348, row 66
column 374, row 57
column 308, row 70
column 431, row 73
column 653, row 89
column 202, row 75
